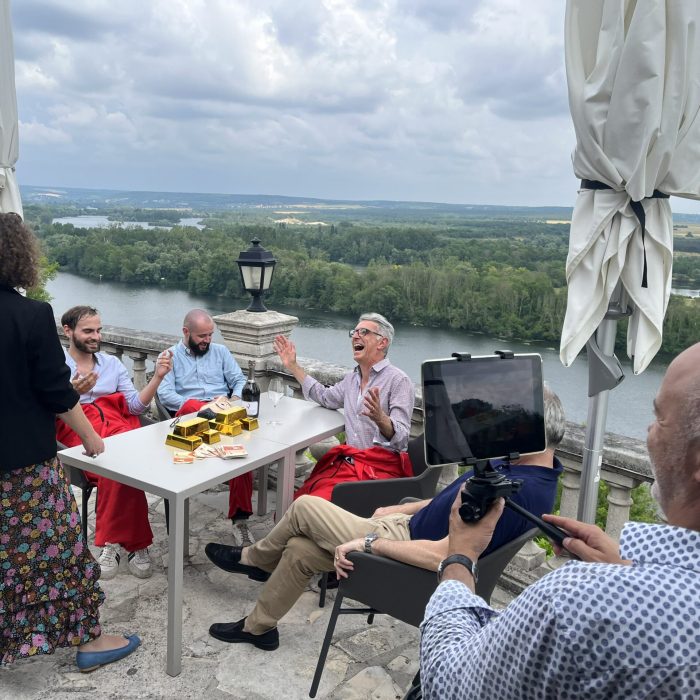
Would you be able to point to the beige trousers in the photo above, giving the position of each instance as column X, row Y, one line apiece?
column 303, row 544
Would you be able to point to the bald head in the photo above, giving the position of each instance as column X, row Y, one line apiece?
column 195, row 317
column 674, row 440
column 198, row 329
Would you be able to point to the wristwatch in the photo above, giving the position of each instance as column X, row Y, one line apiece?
column 369, row 538
column 458, row 559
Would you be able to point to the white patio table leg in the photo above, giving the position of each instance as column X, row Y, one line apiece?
column 186, row 529
column 175, row 556
column 285, row 482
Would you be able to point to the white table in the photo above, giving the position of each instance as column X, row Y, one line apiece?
column 140, row 458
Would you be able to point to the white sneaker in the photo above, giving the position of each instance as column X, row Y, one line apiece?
column 244, row 534
column 109, row 561
column 140, row 564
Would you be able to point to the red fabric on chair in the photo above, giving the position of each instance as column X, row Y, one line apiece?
column 240, row 488
column 345, row 463
column 122, row 511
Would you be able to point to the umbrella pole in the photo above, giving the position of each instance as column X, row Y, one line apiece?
column 604, row 374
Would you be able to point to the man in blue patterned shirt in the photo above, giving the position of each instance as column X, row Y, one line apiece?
column 620, row 623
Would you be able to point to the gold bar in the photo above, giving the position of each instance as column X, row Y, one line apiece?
column 187, row 442
column 228, row 428
column 191, row 427
column 249, row 423
column 210, row 436
column 230, row 415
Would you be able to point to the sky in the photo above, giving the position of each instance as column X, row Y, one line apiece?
column 460, row 101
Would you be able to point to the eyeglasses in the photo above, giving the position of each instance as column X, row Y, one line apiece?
column 362, row 332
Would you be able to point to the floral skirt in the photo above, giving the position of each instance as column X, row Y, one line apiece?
column 49, row 594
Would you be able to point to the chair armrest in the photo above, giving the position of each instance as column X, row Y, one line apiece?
column 389, row 586
column 364, row 497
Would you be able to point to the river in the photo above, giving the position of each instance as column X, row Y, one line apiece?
column 324, row 336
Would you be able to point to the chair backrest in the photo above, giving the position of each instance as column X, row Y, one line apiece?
column 416, row 452
column 364, row 497
column 163, row 412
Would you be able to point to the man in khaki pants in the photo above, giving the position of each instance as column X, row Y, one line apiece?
column 315, row 535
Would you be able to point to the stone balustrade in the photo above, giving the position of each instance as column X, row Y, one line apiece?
column 625, row 460
column 140, row 347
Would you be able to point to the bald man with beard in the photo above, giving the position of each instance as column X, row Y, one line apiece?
column 204, row 371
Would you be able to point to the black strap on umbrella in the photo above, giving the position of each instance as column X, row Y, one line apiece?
column 637, row 208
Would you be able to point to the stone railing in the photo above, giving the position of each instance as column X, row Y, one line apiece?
column 625, row 460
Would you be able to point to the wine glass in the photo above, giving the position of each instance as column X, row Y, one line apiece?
column 275, row 392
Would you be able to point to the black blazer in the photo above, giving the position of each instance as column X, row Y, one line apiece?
column 34, row 381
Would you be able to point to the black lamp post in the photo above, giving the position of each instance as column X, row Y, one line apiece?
column 256, row 265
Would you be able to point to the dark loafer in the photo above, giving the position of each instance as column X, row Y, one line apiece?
column 232, row 632
column 91, row 660
column 228, row 558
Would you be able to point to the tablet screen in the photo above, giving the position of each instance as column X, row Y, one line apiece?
column 482, row 408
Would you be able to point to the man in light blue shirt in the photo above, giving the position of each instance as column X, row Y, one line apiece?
column 203, row 371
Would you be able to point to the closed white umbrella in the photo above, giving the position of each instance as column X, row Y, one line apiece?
column 9, row 139
column 633, row 72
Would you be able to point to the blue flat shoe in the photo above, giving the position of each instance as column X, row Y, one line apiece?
column 91, row 660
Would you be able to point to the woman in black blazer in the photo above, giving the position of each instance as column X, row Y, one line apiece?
column 49, row 594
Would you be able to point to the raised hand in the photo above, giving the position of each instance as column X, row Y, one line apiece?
column 164, row 363
column 286, row 351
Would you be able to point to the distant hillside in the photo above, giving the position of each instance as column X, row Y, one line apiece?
column 106, row 199
column 357, row 209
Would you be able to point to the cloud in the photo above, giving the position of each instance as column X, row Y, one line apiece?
column 441, row 100
column 41, row 135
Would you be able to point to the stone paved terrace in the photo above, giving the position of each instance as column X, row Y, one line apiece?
column 376, row 661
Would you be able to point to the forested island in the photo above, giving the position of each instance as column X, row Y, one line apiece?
column 500, row 275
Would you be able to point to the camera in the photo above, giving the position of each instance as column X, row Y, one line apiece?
column 482, row 489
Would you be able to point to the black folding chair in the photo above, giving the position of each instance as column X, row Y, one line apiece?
column 389, row 587
column 364, row 497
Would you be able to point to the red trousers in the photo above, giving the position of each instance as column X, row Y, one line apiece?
column 240, row 488
column 345, row 463
column 122, row 511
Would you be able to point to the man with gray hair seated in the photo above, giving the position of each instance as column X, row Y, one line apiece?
column 378, row 402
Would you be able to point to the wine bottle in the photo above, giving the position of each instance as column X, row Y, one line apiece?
column 250, row 396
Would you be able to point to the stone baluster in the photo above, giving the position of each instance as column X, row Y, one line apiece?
column 570, row 488
column 139, row 360
column 568, row 504
column 619, row 501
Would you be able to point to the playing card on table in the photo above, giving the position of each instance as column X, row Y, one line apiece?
column 183, row 457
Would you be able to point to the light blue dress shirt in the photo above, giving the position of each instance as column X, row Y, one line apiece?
column 111, row 377
column 585, row 631
column 200, row 377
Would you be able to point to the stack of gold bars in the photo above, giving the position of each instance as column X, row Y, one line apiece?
column 190, row 434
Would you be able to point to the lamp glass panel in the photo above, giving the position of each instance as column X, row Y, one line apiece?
column 251, row 276
column 267, row 279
